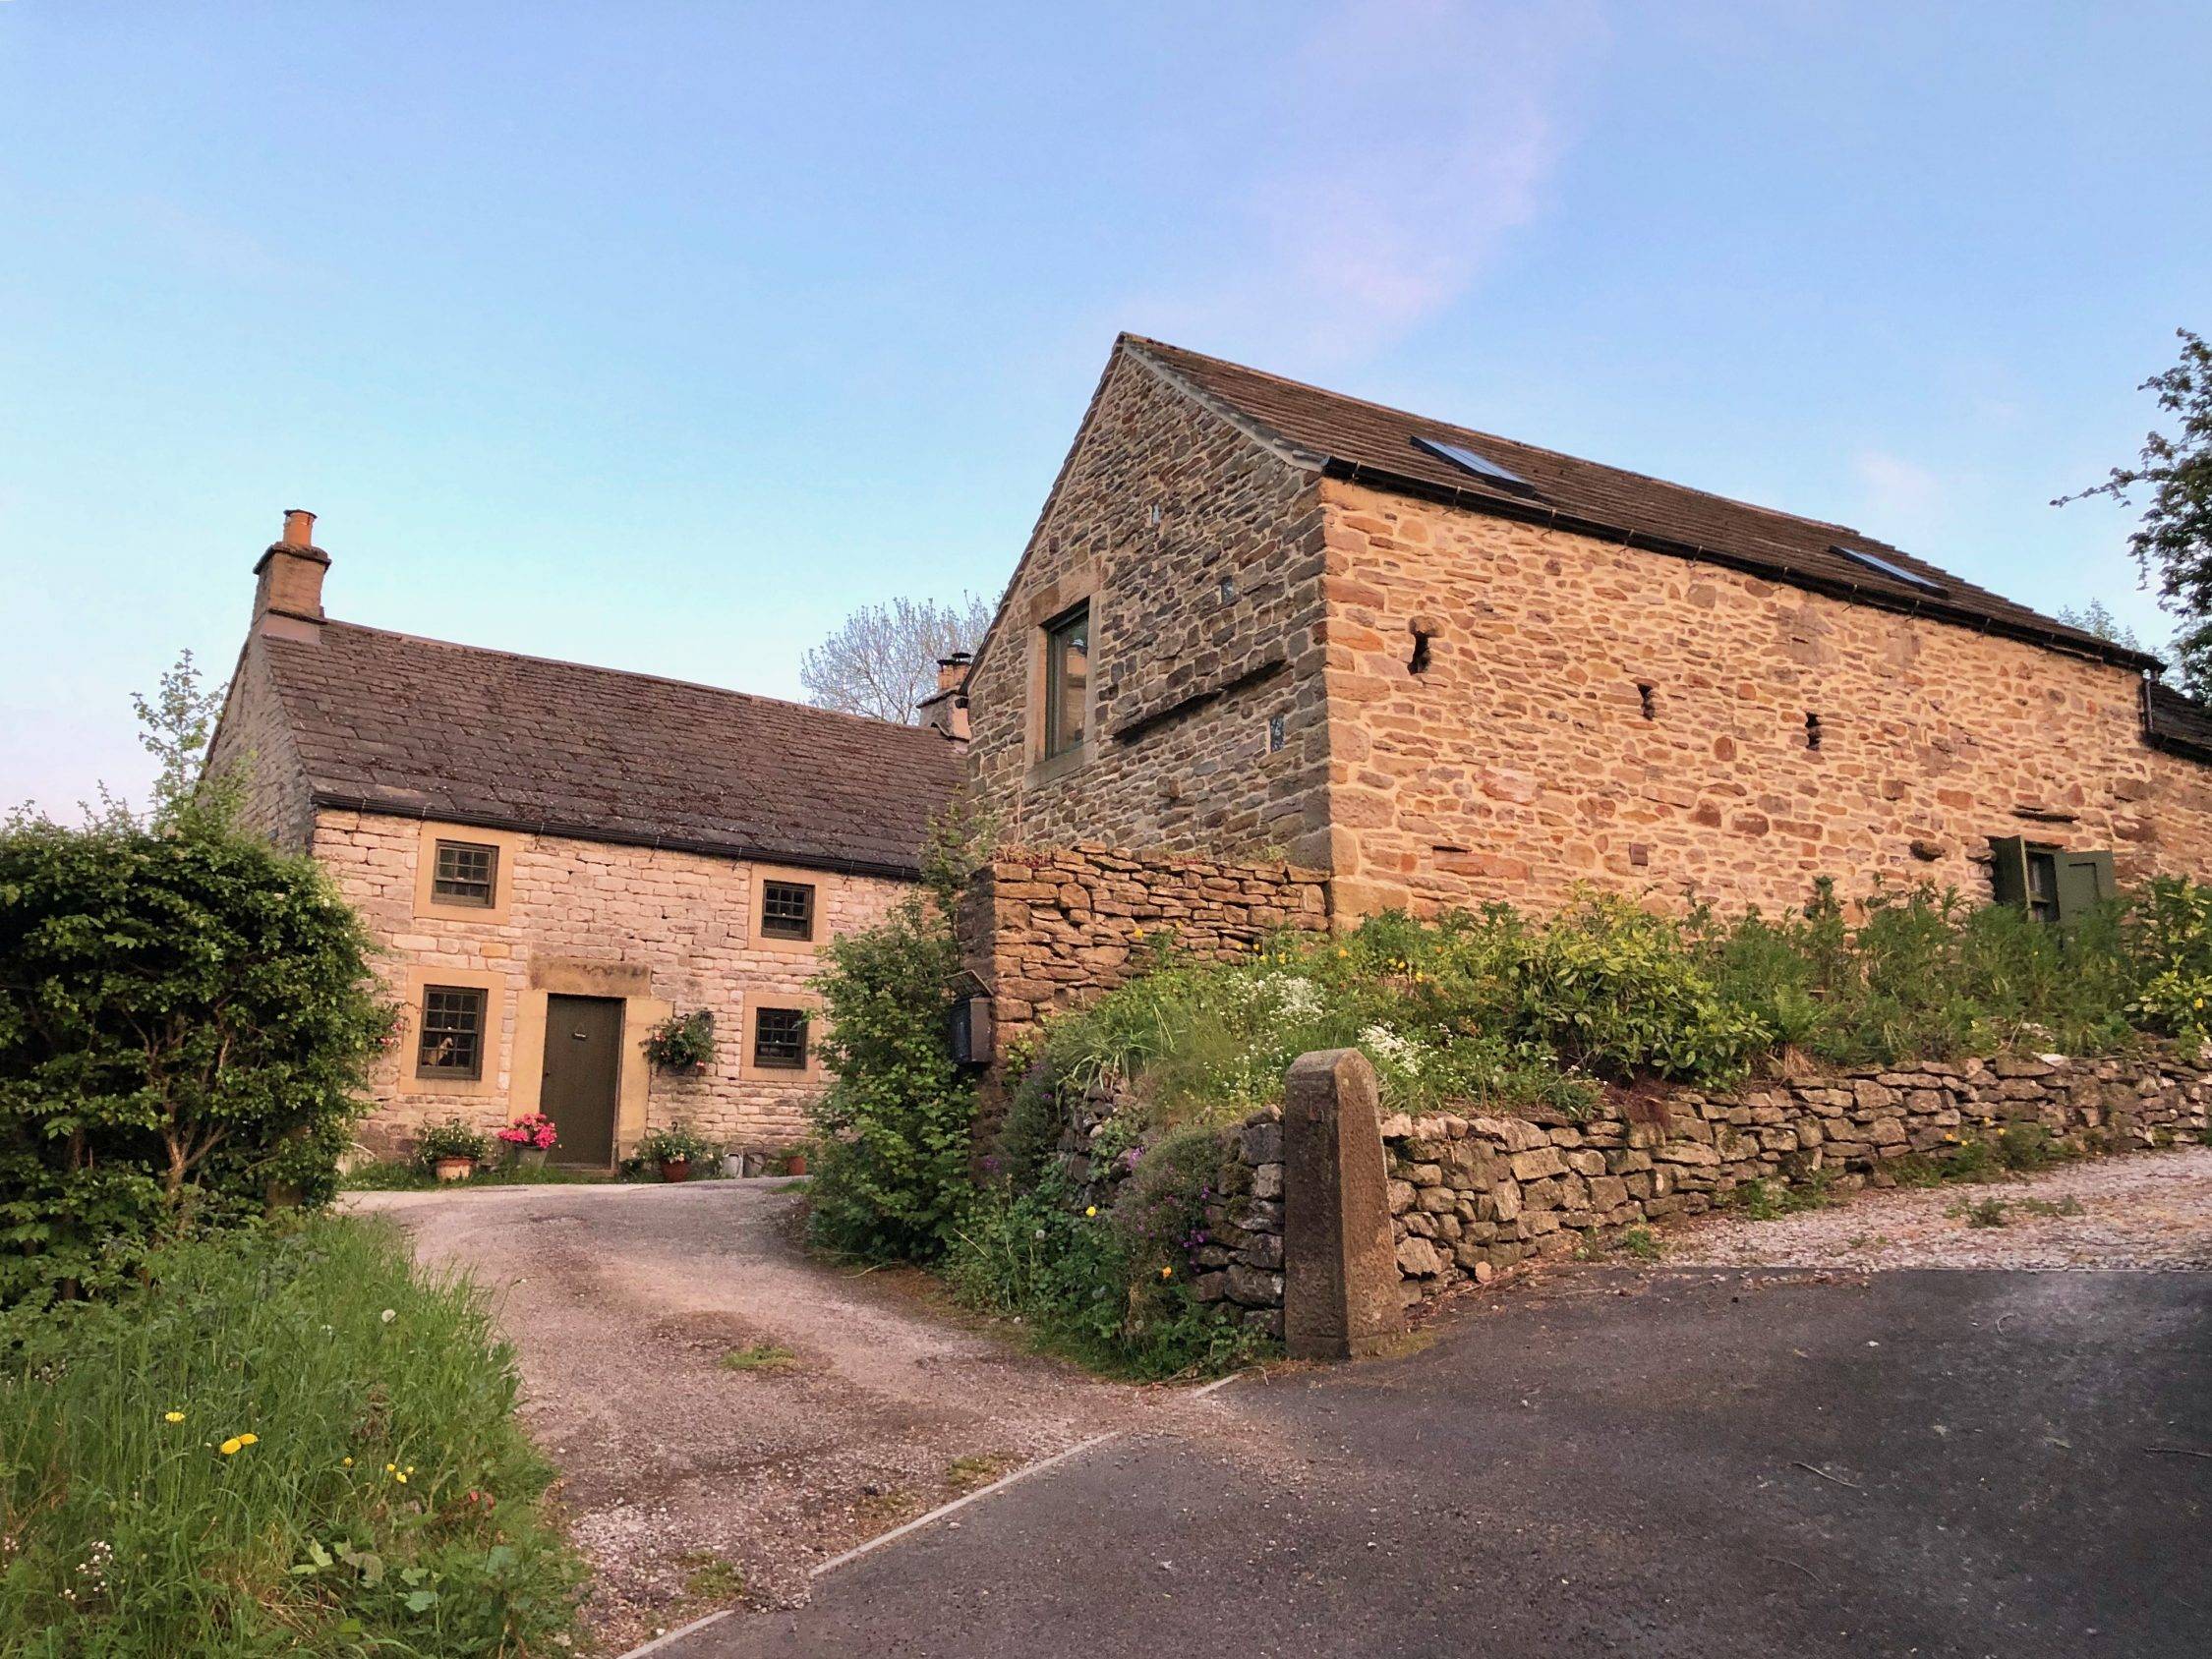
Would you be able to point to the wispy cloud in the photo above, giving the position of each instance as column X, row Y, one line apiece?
column 1414, row 136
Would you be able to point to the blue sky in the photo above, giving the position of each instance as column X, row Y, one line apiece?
column 662, row 335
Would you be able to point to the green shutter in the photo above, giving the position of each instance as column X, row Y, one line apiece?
column 2084, row 883
column 2007, row 870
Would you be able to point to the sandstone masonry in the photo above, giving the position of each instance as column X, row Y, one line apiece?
column 1470, row 1195
column 1043, row 929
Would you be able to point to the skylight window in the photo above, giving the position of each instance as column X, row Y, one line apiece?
column 1875, row 561
column 1463, row 458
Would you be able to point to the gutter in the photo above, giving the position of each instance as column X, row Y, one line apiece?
column 339, row 802
column 1879, row 599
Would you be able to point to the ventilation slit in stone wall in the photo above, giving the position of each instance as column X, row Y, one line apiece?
column 1418, row 663
column 1812, row 730
column 1647, row 695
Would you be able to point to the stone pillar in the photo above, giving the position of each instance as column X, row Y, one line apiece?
column 1340, row 1275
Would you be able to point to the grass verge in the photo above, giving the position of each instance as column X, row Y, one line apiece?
column 282, row 1442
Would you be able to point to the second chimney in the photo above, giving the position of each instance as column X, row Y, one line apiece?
column 288, row 593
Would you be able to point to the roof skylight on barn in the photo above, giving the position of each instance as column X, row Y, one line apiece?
column 1467, row 460
column 1875, row 561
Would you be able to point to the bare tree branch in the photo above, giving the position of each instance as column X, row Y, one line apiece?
column 882, row 660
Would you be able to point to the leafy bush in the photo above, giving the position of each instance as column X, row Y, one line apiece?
column 1090, row 1285
column 185, row 1020
column 286, row 1440
column 894, row 1126
column 1496, row 1010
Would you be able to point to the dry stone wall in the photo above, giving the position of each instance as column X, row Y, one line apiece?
column 1044, row 930
column 1473, row 1195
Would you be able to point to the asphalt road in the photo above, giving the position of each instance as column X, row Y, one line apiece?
column 1673, row 1462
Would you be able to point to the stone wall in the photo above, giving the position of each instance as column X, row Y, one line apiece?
column 254, row 744
column 1043, row 929
column 1471, row 1195
column 1591, row 713
column 1199, row 554
column 662, row 930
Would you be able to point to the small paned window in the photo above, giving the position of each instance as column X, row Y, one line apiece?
column 1067, row 680
column 466, row 873
column 452, row 1034
column 2051, row 883
column 780, row 1039
column 787, row 909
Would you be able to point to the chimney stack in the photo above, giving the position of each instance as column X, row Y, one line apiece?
column 945, row 707
column 288, row 592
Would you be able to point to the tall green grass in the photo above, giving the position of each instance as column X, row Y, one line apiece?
column 125, row 1533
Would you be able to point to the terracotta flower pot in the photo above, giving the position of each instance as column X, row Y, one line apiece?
column 455, row 1169
column 676, row 1169
column 795, row 1164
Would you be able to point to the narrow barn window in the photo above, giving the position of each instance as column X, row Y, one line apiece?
column 787, row 909
column 1278, row 732
column 1067, row 680
column 466, row 874
column 1418, row 663
column 1812, row 730
column 780, row 1039
column 1647, row 694
column 452, row 1033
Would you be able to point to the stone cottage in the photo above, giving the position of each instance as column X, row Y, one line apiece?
column 1261, row 621
column 556, row 858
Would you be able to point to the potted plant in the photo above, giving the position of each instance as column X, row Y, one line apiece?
column 452, row 1148
column 795, row 1160
column 675, row 1150
column 682, row 1043
column 528, row 1140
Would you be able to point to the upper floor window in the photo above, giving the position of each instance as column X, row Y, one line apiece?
column 1067, row 680
column 787, row 909
column 466, row 874
column 452, row 1033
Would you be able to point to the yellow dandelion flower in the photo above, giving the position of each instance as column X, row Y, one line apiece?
column 1091, row 1210
column 248, row 1439
column 401, row 1477
column 391, row 1468
column 1167, row 1273
column 346, row 1462
column 229, row 1448
column 172, row 1416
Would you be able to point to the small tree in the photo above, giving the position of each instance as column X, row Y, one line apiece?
column 184, row 1022
column 883, row 658
column 2173, row 542
column 2094, row 618
column 896, row 1124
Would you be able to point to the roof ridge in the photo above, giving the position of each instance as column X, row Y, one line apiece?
column 630, row 674
column 1416, row 417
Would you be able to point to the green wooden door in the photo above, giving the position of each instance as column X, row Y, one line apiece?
column 583, row 1074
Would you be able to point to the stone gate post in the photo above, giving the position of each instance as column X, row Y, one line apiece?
column 1340, row 1275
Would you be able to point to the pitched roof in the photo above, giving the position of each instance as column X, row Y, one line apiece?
column 1348, row 438
column 389, row 723
column 2173, row 721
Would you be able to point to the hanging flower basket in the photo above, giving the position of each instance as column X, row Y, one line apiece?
column 683, row 1044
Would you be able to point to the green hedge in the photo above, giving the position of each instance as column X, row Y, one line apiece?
column 185, row 1017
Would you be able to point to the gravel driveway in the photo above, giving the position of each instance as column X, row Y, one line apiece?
column 691, row 1484
column 2149, row 1210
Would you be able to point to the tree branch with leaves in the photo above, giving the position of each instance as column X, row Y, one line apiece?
column 2173, row 542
